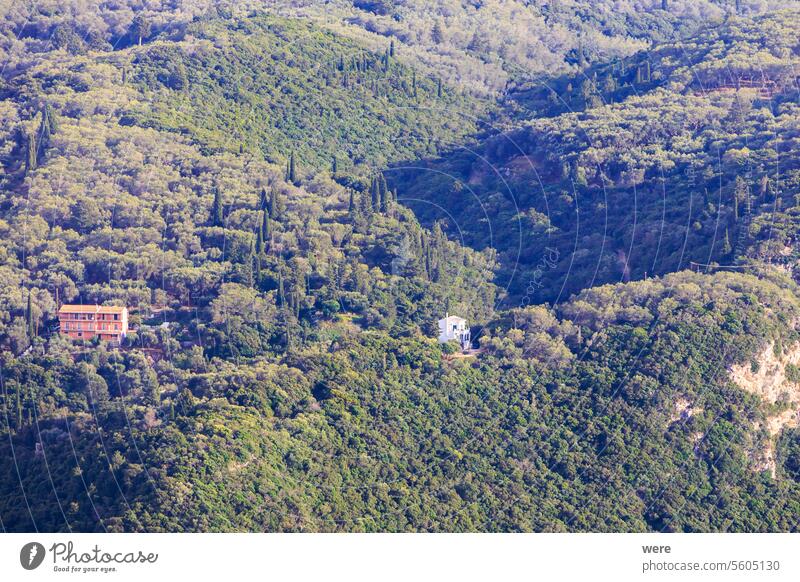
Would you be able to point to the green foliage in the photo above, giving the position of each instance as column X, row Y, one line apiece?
column 677, row 175
column 280, row 86
column 377, row 433
column 283, row 375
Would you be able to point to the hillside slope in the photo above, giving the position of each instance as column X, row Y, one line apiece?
column 614, row 414
column 685, row 155
column 224, row 181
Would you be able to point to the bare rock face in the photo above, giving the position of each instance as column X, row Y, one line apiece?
column 773, row 376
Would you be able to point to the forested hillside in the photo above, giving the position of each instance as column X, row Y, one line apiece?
column 288, row 199
column 684, row 154
column 486, row 45
column 480, row 46
column 615, row 413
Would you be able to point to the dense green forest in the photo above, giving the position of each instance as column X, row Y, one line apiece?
column 288, row 199
column 682, row 155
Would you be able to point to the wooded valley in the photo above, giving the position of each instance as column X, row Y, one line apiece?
column 288, row 196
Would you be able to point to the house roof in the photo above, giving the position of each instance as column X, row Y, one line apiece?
column 454, row 319
column 91, row 309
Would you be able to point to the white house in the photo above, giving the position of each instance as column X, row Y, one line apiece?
column 454, row 328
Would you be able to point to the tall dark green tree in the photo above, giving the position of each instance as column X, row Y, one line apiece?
column 291, row 173
column 383, row 193
column 281, row 287
column 276, row 205
column 140, row 28
column 31, row 159
column 52, row 120
column 260, row 238
column 266, row 227
column 217, row 214
column 437, row 33
column 250, row 264
column 375, row 193
column 44, row 133
column 19, row 407
column 741, row 194
column 30, row 319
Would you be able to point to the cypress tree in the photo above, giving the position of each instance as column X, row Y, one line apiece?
column 726, row 245
column 264, row 202
column 354, row 211
column 217, row 218
column 439, row 89
column 741, row 193
column 44, row 132
column 334, row 165
column 140, row 28
column 383, row 193
column 376, row 194
column 31, row 159
column 365, row 203
column 266, row 226
column 29, row 317
column 19, row 408
column 271, row 208
column 428, row 260
column 275, row 205
column 260, row 239
column 251, row 257
column 52, row 121
column 391, row 48
column 292, row 174
column 414, row 84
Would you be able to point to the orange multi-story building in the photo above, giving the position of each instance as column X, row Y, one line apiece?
column 90, row 321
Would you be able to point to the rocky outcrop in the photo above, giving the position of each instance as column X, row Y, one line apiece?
column 772, row 376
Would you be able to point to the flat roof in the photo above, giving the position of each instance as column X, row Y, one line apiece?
column 453, row 318
column 91, row 309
